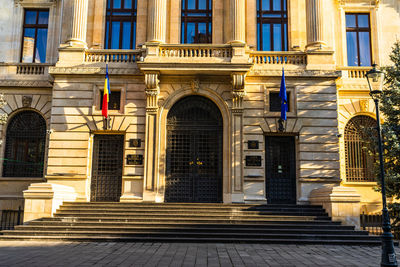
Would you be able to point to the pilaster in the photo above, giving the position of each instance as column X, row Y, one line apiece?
column 237, row 178
column 79, row 24
column 157, row 21
column 238, row 19
column 151, row 139
column 315, row 25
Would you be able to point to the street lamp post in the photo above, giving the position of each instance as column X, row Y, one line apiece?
column 375, row 82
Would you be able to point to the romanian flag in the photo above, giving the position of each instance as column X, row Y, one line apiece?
column 106, row 95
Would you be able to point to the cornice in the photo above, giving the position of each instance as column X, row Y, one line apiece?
column 18, row 83
column 92, row 70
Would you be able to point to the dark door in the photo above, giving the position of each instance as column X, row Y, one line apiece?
column 280, row 161
column 107, row 168
column 194, row 152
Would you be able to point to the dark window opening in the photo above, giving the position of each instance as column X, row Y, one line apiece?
column 34, row 40
column 115, row 100
column 196, row 21
column 120, row 24
column 358, row 37
column 25, row 145
column 272, row 24
column 275, row 101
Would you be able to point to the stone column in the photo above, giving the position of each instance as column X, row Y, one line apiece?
column 237, row 178
column 238, row 19
column 151, row 139
column 79, row 23
column 157, row 21
column 315, row 24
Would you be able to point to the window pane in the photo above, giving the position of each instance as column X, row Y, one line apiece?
column 126, row 35
column 350, row 20
column 277, row 30
column 203, row 4
column 258, row 37
column 352, row 58
column 108, row 4
column 266, row 35
column 41, row 44
column 202, row 33
column 285, row 37
column 28, row 45
column 363, row 21
column 115, row 35
column 284, row 5
column 107, row 33
column 128, row 4
column 117, row 4
column 191, row 4
column 265, row 5
column 134, row 36
column 190, row 33
column 365, row 52
column 43, row 17
column 276, row 5
column 30, row 17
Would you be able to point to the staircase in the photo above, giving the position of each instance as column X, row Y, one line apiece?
column 190, row 222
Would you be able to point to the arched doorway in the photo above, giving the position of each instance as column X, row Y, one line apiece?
column 25, row 142
column 359, row 161
column 194, row 151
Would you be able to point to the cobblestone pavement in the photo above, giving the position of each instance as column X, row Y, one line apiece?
column 27, row 254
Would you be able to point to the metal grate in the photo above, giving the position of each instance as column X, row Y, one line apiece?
column 280, row 170
column 24, row 153
column 10, row 218
column 107, row 168
column 359, row 161
column 194, row 152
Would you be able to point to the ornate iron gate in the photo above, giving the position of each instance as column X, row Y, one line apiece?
column 194, row 152
column 107, row 168
column 280, row 162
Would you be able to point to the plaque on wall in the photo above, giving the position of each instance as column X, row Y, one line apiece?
column 254, row 161
column 134, row 160
column 135, row 142
column 252, row 144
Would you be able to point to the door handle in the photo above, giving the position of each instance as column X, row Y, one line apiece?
column 198, row 162
column 191, row 163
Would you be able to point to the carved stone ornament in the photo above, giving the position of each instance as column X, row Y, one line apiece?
column 364, row 105
column 151, row 81
column 238, row 80
column 152, row 92
column 26, row 101
column 239, row 93
column 195, row 85
column 367, row 2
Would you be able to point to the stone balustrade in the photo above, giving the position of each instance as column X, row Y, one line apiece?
column 196, row 51
column 278, row 58
column 111, row 55
column 354, row 72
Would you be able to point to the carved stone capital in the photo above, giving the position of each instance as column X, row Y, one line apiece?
column 238, row 80
column 151, row 80
column 239, row 93
column 195, row 85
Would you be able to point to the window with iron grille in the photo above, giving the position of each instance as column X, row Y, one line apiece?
column 34, row 40
column 275, row 101
column 120, row 24
column 114, row 101
column 196, row 21
column 272, row 24
column 359, row 157
column 25, row 143
column 358, row 37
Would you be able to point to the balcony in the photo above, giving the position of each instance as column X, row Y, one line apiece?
column 354, row 72
column 271, row 59
column 25, row 74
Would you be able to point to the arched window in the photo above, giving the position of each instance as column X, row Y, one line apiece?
column 25, row 141
column 359, row 161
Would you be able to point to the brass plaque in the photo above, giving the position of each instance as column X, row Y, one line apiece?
column 252, row 144
column 134, row 160
column 135, row 142
column 254, row 161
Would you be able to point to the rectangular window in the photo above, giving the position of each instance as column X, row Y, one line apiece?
column 196, row 21
column 120, row 24
column 358, row 37
column 115, row 100
column 34, row 42
column 275, row 101
column 272, row 24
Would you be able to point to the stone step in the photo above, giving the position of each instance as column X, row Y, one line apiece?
column 160, row 229
column 268, row 225
column 83, row 238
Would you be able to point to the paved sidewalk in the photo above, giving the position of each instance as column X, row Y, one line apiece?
column 27, row 254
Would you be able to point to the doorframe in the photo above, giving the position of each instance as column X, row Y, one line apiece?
column 226, row 150
column 90, row 159
column 297, row 160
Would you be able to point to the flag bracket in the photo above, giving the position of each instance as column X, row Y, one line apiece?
column 106, row 123
column 281, row 128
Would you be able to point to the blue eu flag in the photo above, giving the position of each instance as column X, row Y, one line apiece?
column 283, row 97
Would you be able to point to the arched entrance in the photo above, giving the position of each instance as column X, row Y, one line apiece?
column 25, row 142
column 194, row 151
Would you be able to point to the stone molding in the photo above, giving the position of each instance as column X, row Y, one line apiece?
column 22, row 83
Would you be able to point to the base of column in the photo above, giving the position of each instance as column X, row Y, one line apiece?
column 319, row 45
column 76, row 43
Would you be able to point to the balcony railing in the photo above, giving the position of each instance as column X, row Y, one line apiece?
column 35, row 70
column 196, row 51
column 110, row 55
column 278, row 58
column 354, row 72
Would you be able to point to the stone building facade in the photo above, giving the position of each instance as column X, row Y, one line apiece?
column 194, row 87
